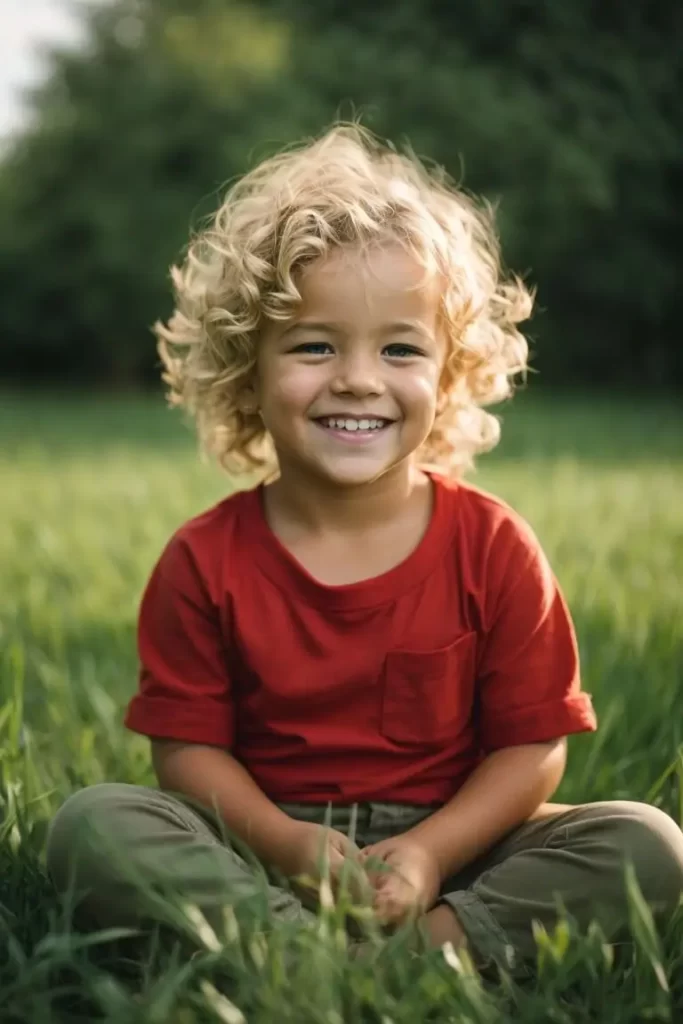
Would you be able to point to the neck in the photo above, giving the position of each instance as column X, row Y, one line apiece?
column 319, row 507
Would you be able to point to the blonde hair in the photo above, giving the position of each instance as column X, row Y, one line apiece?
column 344, row 188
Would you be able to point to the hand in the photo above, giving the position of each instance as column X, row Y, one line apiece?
column 311, row 846
column 405, row 876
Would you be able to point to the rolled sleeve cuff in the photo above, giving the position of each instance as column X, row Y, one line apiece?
column 180, row 720
column 539, row 723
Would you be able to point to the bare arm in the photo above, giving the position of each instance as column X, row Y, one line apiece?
column 503, row 792
column 215, row 779
column 193, row 709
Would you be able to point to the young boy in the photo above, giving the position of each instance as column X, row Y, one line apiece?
column 363, row 629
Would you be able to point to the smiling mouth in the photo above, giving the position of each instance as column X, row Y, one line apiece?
column 364, row 425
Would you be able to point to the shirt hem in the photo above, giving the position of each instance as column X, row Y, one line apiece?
column 147, row 724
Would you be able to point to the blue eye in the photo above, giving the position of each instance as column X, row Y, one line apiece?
column 314, row 348
column 399, row 351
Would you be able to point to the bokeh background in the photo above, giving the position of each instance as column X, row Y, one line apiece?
column 566, row 114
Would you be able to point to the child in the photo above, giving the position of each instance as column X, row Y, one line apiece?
column 363, row 629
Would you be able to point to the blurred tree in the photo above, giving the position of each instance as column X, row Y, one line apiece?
column 569, row 113
column 131, row 139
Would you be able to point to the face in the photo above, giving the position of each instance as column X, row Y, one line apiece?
column 348, row 387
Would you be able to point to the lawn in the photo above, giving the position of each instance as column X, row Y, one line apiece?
column 91, row 488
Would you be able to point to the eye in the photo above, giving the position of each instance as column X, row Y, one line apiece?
column 400, row 351
column 313, row 348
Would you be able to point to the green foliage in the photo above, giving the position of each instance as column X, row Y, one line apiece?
column 132, row 137
column 566, row 113
column 92, row 490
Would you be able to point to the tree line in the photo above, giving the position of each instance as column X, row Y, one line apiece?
column 567, row 115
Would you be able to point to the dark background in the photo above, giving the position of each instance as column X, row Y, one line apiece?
column 566, row 113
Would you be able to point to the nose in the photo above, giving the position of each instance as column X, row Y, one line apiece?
column 358, row 375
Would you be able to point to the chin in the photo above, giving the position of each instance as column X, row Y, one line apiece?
column 353, row 476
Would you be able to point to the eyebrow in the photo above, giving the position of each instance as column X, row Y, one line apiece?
column 311, row 325
column 399, row 327
column 407, row 327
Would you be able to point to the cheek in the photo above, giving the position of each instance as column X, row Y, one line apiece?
column 293, row 388
column 421, row 390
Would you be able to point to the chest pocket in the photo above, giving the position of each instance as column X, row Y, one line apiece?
column 427, row 696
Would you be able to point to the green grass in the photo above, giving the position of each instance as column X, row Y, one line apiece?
column 90, row 490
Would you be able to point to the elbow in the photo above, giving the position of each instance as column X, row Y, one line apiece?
column 554, row 765
column 189, row 768
column 169, row 758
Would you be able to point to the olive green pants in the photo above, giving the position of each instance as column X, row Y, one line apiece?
column 111, row 844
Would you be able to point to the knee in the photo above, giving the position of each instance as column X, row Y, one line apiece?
column 87, row 816
column 653, row 843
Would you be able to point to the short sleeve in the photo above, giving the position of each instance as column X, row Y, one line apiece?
column 529, row 678
column 184, row 687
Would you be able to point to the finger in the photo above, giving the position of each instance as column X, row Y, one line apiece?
column 389, row 913
column 349, row 851
column 338, row 867
column 395, row 897
column 378, row 877
column 376, row 870
column 386, row 896
column 349, row 875
column 335, row 855
column 379, row 850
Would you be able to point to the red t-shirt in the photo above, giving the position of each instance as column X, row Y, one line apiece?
column 390, row 689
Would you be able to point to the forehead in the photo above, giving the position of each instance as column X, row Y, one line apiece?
column 379, row 281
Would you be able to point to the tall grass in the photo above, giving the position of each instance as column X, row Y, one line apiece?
column 90, row 489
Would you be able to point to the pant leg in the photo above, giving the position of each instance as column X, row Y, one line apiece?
column 577, row 856
column 123, row 850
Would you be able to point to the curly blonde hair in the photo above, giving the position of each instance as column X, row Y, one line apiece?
column 347, row 187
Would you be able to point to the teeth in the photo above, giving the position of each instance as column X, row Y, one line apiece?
column 335, row 423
